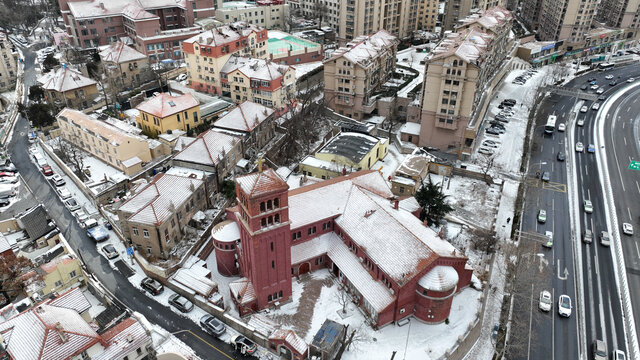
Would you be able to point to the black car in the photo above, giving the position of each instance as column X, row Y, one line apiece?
column 583, row 87
column 613, row 83
column 212, row 325
column 602, row 97
column 245, row 346
column 152, row 286
column 560, row 156
column 591, row 79
column 181, row 303
column 509, row 102
column 493, row 131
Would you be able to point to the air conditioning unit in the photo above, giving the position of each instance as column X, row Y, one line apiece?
column 361, row 259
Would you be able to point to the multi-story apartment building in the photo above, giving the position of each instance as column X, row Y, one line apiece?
column 356, row 71
column 121, row 150
column 456, row 10
column 566, row 20
column 8, row 63
column 353, row 18
column 65, row 87
column 125, row 65
column 261, row 81
column 619, row 13
column 165, row 112
column 530, row 13
column 154, row 217
column 207, row 52
column 457, row 80
column 270, row 14
column 154, row 28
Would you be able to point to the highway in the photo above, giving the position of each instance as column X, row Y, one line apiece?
column 548, row 335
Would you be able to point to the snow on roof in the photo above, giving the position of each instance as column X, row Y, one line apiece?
column 409, row 204
column 120, row 53
column 164, row 104
column 374, row 291
column 64, row 79
column 224, row 34
column 208, row 148
column 134, row 9
column 365, row 48
column 158, row 200
column 311, row 248
column 354, row 146
column 73, row 299
column 242, row 289
column 182, row 142
column 468, row 44
column 135, row 12
column 188, row 172
column 327, row 199
column 390, row 237
column 52, row 265
column 123, row 339
column 245, row 117
column 323, row 164
column 262, row 324
column 440, row 278
column 98, row 127
column 253, row 68
column 488, row 19
column 403, row 180
column 124, row 126
column 226, row 231
column 291, row 338
column 261, row 183
column 410, row 128
column 414, row 165
column 131, row 162
column 4, row 244
column 38, row 333
column 194, row 275
column 173, row 136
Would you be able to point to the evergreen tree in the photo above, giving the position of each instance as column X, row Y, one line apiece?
column 49, row 63
column 433, row 203
column 36, row 93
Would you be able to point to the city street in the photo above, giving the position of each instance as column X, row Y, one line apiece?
column 205, row 346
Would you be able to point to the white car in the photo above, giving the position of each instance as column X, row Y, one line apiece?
column 595, row 106
column 562, row 127
column 619, row 355
column 594, row 87
column 545, row 301
column 564, row 306
column 182, row 77
column 579, row 147
column 63, row 193
column 584, row 109
column 627, row 228
column 609, row 77
column 600, row 91
column 581, row 122
column 630, row 80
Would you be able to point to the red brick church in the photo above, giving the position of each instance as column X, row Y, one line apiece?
column 392, row 264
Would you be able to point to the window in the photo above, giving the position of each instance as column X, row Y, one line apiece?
column 58, row 283
column 166, row 234
column 145, row 233
column 271, row 246
column 73, row 274
column 296, row 235
column 273, row 264
column 312, row 230
column 135, row 231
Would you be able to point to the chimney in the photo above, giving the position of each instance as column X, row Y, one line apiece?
column 130, row 338
column 102, row 5
column 396, row 202
column 59, row 330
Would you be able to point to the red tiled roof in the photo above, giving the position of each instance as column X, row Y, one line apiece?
column 163, row 105
column 262, row 183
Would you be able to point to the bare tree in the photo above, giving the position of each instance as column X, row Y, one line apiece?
column 320, row 11
column 486, row 165
column 484, row 240
column 72, row 155
column 348, row 339
column 343, row 299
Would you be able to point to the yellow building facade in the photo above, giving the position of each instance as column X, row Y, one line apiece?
column 60, row 273
column 165, row 112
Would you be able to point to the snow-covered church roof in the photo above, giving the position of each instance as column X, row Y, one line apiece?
column 440, row 278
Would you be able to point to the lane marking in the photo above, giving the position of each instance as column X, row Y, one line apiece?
column 629, row 211
column 625, row 140
column 530, row 323
column 206, row 342
column 637, row 250
column 637, row 186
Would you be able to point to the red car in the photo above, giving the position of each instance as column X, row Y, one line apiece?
column 6, row 173
column 47, row 171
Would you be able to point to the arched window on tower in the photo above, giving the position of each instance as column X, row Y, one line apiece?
column 269, row 205
column 276, row 203
column 270, row 221
column 276, row 219
column 263, row 222
column 262, row 208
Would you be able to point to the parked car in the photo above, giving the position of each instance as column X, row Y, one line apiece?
column 562, row 127
column 599, row 350
column 489, row 144
column 98, row 233
column 63, row 193
column 72, row 204
column 245, row 346
column 594, row 87
column 58, row 180
column 549, row 243
column 542, row 216
column 89, row 223
column 605, row 239
column 47, row 170
column 8, row 166
column 8, row 180
column 579, row 147
column 627, row 229
column 181, row 303
column 182, row 77
column 151, row 286
column 110, row 251
column 492, row 131
column 81, row 216
column 545, row 301
column 7, row 173
column 587, row 236
column 560, row 155
column 5, row 201
column 619, row 355
column 588, row 207
column 212, row 325
column 485, row 151
column 564, row 306
column 602, row 97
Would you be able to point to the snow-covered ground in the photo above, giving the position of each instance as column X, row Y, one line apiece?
column 100, row 170
column 411, row 57
column 303, row 69
column 389, row 163
column 416, row 340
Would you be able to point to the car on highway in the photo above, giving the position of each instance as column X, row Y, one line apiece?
column 212, row 325
column 560, row 156
column 591, row 148
column 609, row 77
column 584, row 109
column 579, row 147
column 599, row 350
column 600, row 91
column 564, row 306
column 545, row 302
column 47, row 170
column 594, row 87
column 63, row 193
column 583, row 87
column 110, row 251
column 243, row 345
column 602, row 97
column 587, row 236
column 588, row 207
column 562, row 127
column 57, row 180
column 613, row 83
column 605, row 239
column 591, row 79
column 181, row 303
column 581, row 122
column 151, row 286
column 627, row 229
column 72, row 204
column 542, row 216
column 630, row 80
column 595, row 106
column 619, row 355
column 546, row 176
column 549, row 243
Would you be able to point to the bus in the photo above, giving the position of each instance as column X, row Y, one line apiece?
column 551, row 125
column 605, row 66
